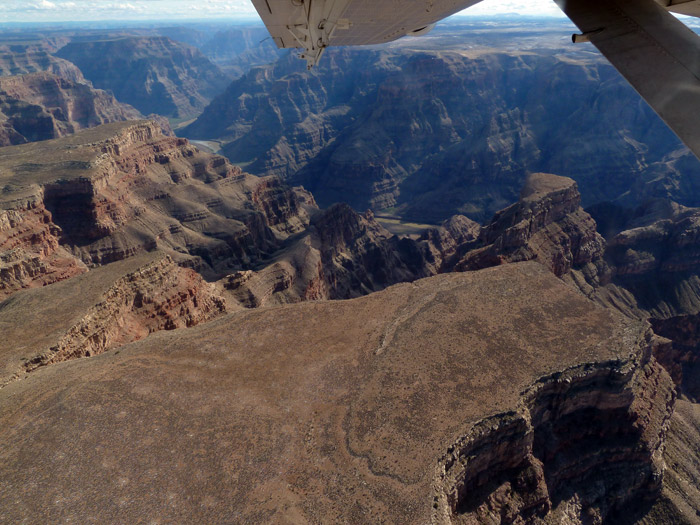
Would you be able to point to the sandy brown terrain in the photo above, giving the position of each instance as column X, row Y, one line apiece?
column 360, row 411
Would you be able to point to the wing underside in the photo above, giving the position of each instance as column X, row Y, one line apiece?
column 315, row 24
column 653, row 50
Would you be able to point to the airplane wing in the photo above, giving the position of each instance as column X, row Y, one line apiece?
column 316, row 24
column 653, row 50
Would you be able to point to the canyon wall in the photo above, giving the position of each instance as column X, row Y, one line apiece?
column 448, row 128
column 42, row 106
column 121, row 189
column 153, row 74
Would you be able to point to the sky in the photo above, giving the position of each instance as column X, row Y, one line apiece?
column 84, row 10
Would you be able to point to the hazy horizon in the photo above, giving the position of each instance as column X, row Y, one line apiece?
column 40, row 11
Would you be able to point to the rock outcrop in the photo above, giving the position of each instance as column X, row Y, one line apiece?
column 546, row 224
column 153, row 74
column 560, row 398
column 30, row 252
column 120, row 189
column 42, row 106
column 102, row 309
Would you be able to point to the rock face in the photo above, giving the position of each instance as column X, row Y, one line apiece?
column 367, row 422
column 345, row 254
column 657, row 257
column 120, row 189
column 153, row 74
column 341, row 255
column 532, row 466
column 33, row 57
column 104, row 309
column 30, row 252
column 546, row 224
column 42, row 106
column 436, row 132
column 302, row 111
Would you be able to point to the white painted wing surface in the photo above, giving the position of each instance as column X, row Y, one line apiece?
column 315, row 24
column 653, row 50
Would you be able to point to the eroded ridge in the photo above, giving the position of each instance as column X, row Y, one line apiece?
column 582, row 445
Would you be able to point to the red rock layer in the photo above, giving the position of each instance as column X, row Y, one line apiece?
column 30, row 254
column 157, row 296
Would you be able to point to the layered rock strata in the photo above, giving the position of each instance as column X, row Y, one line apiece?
column 393, row 384
column 121, row 189
column 30, row 253
column 344, row 254
column 560, row 457
column 547, row 224
column 448, row 126
column 42, row 106
column 20, row 58
column 656, row 257
column 153, row 74
column 100, row 310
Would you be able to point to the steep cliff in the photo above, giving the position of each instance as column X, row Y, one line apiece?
column 120, row 189
column 546, row 224
column 656, row 257
column 153, row 74
column 573, row 452
column 42, row 106
column 100, row 310
column 445, row 125
column 30, row 253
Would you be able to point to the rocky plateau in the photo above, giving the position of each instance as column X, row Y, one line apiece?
column 375, row 438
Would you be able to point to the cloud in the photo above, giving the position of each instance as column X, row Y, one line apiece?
column 45, row 4
column 77, row 10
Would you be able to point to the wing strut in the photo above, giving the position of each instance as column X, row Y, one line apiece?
column 653, row 50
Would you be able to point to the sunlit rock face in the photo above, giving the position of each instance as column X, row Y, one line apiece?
column 153, row 74
column 435, row 132
column 121, row 189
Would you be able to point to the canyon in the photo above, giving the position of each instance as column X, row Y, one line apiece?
column 153, row 74
column 186, row 341
column 113, row 238
column 451, row 124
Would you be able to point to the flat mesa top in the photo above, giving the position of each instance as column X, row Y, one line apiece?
column 331, row 411
column 539, row 184
column 63, row 158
